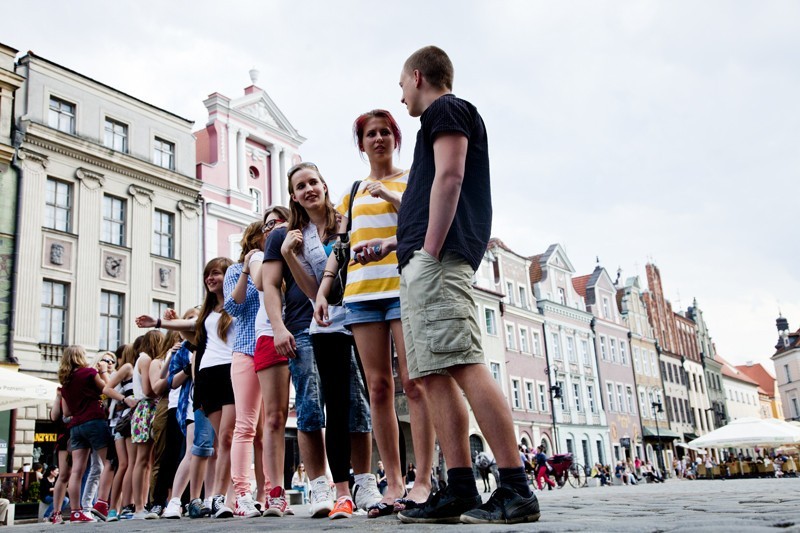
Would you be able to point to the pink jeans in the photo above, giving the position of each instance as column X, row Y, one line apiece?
column 247, row 394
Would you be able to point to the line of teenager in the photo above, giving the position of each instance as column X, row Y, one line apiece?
column 266, row 319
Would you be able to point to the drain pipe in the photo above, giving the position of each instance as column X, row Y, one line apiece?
column 17, row 138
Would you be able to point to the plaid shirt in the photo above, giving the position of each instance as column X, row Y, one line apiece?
column 179, row 360
column 244, row 313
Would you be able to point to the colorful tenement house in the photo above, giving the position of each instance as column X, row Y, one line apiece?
column 525, row 383
column 787, row 368
column 716, row 415
column 647, row 373
column 768, row 394
column 662, row 319
column 617, row 382
column 692, row 368
column 243, row 154
column 741, row 392
column 569, row 344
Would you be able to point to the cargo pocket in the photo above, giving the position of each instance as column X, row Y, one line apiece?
column 447, row 329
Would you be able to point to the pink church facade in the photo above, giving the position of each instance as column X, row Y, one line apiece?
column 243, row 154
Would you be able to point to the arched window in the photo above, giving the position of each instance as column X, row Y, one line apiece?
column 475, row 445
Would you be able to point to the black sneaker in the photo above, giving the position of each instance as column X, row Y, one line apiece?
column 157, row 509
column 505, row 506
column 441, row 508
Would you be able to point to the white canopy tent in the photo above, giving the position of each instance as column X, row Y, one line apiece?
column 20, row 390
column 750, row 432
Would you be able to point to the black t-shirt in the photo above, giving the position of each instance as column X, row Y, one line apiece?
column 298, row 312
column 44, row 488
column 472, row 224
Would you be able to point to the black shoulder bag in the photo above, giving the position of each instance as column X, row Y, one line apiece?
column 342, row 252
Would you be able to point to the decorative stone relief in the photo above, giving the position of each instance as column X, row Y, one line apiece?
column 189, row 209
column 32, row 158
column 259, row 110
column 90, row 179
column 141, row 195
column 164, row 277
column 57, row 253
column 114, row 266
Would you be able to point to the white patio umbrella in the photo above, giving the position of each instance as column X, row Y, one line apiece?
column 19, row 390
column 750, row 432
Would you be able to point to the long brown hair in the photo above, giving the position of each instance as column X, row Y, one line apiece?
column 170, row 339
column 299, row 218
column 127, row 355
column 210, row 302
column 251, row 239
column 151, row 343
column 73, row 358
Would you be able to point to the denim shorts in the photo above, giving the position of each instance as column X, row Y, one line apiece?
column 382, row 310
column 308, row 391
column 93, row 434
column 360, row 418
column 203, row 443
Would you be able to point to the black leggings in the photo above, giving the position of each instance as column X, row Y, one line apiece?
column 332, row 353
column 169, row 459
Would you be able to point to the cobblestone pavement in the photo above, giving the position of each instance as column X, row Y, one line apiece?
column 721, row 506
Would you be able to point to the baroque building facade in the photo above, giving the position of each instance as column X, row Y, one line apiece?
column 787, row 368
column 243, row 154
column 110, row 218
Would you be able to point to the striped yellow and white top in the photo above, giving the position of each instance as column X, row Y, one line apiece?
column 373, row 218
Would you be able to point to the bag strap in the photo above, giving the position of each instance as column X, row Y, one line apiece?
column 353, row 192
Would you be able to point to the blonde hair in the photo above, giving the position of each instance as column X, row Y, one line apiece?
column 73, row 358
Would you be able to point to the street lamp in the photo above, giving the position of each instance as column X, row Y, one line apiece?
column 555, row 394
column 658, row 408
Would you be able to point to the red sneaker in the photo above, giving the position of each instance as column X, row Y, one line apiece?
column 55, row 518
column 100, row 510
column 80, row 516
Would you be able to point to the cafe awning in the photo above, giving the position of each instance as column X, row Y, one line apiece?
column 666, row 434
column 696, row 450
column 18, row 389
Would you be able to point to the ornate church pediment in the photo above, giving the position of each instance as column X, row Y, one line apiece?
column 260, row 111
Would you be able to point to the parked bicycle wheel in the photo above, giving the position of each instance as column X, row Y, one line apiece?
column 577, row 475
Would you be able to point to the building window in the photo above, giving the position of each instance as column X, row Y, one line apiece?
column 53, row 314
column 621, row 399
column 613, row 344
column 600, row 457
column 523, row 340
column 645, row 407
column 562, row 296
column 636, row 365
column 590, row 393
column 510, row 292
column 652, row 362
column 116, row 136
column 563, row 390
column 510, row 337
column 576, row 392
column 113, row 220
column 58, row 205
column 164, row 153
column 795, row 408
column 163, row 233
column 515, row 394
column 255, row 194
column 111, row 315
column 495, row 368
column 631, row 403
column 159, row 307
column 62, row 115
column 542, row 397
column 788, row 373
column 556, row 347
column 573, row 358
column 523, row 298
column 669, row 367
column 610, row 392
column 491, row 321
column 529, row 396
column 585, row 352
column 603, row 349
column 536, row 345
column 606, row 308
column 623, row 353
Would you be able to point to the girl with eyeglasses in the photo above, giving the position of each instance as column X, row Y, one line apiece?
column 321, row 360
column 372, row 299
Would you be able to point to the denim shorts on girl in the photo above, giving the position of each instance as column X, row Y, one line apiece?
column 365, row 312
column 92, row 434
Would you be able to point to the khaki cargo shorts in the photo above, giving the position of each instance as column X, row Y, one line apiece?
column 438, row 314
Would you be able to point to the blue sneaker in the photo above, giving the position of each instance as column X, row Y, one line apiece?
column 112, row 516
column 126, row 513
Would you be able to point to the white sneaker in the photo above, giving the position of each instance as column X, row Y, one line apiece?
column 245, row 507
column 173, row 509
column 366, row 494
column 321, row 498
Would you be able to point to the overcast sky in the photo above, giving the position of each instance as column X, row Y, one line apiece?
column 629, row 131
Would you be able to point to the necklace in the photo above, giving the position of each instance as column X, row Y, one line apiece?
column 391, row 176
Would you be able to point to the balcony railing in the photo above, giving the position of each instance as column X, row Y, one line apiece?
column 51, row 352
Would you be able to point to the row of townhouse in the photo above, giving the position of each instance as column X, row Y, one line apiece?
column 603, row 368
